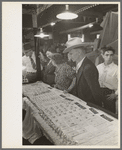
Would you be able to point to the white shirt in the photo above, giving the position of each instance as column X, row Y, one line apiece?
column 27, row 63
column 79, row 64
column 108, row 76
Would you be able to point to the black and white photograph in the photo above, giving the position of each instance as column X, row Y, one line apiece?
column 69, row 93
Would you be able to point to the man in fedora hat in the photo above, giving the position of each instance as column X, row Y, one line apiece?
column 29, row 63
column 87, row 86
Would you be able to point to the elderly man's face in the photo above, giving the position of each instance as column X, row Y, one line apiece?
column 74, row 54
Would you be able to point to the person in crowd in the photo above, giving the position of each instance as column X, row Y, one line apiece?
column 87, row 85
column 48, row 73
column 99, row 59
column 59, row 49
column 108, row 78
column 64, row 74
column 43, row 60
column 52, row 48
column 29, row 64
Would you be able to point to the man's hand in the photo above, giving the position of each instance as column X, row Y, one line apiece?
column 111, row 96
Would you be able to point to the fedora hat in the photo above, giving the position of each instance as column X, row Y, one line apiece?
column 27, row 47
column 74, row 43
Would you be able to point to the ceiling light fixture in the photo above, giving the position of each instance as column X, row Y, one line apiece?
column 41, row 34
column 67, row 15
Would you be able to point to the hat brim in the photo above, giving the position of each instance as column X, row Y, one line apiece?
column 27, row 50
column 75, row 46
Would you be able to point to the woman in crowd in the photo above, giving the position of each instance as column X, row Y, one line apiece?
column 48, row 75
column 64, row 74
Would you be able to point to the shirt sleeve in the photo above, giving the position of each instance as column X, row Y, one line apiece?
column 23, row 61
column 98, row 66
column 100, row 79
column 116, row 76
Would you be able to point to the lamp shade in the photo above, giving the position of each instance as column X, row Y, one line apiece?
column 41, row 34
column 67, row 15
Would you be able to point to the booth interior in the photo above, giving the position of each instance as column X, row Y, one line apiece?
column 70, row 74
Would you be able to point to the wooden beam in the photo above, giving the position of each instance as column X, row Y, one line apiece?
column 96, row 32
column 91, row 13
column 41, row 9
column 75, row 29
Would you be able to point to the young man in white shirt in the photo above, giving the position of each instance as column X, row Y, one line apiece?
column 108, row 78
column 29, row 64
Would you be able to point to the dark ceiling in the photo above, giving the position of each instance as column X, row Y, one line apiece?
column 86, row 13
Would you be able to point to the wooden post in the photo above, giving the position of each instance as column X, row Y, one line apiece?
column 37, row 44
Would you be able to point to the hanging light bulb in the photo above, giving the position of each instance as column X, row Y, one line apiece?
column 90, row 25
column 52, row 23
column 41, row 34
column 67, row 15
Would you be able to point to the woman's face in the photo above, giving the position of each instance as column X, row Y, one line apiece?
column 48, row 53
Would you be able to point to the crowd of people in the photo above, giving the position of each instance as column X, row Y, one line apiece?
column 71, row 69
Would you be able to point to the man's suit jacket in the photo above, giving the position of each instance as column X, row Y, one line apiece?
column 87, row 86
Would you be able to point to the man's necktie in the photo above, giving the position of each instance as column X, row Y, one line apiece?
column 33, row 63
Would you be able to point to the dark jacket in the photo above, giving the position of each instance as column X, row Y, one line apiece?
column 87, row 86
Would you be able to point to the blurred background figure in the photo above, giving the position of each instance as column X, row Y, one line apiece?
column 29, row 64
column 48, row 72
